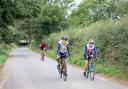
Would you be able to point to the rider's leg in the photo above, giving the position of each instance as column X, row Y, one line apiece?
column 41, row 52
column 85, row 66
column 42, row 55
column 58, row 59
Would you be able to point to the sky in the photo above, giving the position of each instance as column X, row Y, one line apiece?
column 74, row 4
column 78, row 1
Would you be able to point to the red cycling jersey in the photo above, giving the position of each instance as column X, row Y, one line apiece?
column 42, row 45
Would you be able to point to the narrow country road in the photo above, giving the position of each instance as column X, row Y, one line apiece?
column 26, row 71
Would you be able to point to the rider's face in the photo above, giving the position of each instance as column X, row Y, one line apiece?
column 91, row 44
column 64, row 42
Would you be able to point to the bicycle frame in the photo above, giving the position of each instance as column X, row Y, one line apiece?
column 62, row 64
column 90, row 69
column 42, row 55
column 62, row 69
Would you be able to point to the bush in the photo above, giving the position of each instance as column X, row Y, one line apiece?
column 112, row 42
column 110, row 39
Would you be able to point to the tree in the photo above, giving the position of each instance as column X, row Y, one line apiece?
column 91, row 11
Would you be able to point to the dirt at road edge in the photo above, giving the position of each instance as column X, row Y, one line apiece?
column 3, row 76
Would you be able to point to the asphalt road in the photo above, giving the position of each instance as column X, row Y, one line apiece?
column 25, row 70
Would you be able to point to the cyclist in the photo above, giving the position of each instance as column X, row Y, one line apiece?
column 89, row 49
column 62, row 51
column 42, row 46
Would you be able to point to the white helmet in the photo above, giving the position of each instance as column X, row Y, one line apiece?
column 91, row 41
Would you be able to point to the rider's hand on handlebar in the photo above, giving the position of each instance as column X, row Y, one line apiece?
column 96, row 58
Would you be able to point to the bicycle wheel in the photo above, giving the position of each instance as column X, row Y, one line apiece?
column 42, row 58
column 61, row 70
column 64, row 76
column 61, row 74
column 92, row 75
column 87, row 73
column 92, row 72
column 42, row 55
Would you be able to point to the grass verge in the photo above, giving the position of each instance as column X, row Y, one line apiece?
column 35, row 49
column 100, row 67
column 4, row 54
column 51, row 53
column 111, row 71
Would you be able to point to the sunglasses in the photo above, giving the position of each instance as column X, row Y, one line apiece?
column 91, row 43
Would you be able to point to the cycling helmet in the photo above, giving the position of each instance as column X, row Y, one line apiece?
column 64, row 38
column 91, row 41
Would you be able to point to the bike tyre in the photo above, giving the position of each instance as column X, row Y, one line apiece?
column 92, row 75
column 64, row 76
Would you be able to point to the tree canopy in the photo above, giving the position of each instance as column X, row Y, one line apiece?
column 90, row 11
column 31, row 17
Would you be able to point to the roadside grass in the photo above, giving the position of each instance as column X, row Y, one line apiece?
column 4, row 54
column 51, row 53
column 111, row 71
column 35, row 49
column 100, row 67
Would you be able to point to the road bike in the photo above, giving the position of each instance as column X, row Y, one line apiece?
column 42, row 54
column 90, row 69
column 62, row 70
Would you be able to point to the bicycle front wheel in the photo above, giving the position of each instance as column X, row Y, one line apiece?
column 60, row 74
column 92, row 75
column 64, row 76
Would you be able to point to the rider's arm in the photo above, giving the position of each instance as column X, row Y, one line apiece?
column 58, row 47
column 40, row 45
column 95, row 51
column 68, row 50
column 85, row 50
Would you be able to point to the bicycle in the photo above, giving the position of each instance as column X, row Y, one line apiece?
column 90, row 69
column 42, row 54
column 62, row 70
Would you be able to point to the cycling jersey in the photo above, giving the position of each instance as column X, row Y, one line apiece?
column 62, row 48
column 88, row 50
column 42, row 45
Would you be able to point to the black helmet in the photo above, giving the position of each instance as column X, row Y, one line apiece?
column 64, row 38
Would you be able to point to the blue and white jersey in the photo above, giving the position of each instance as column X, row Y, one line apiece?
column 61, row 47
